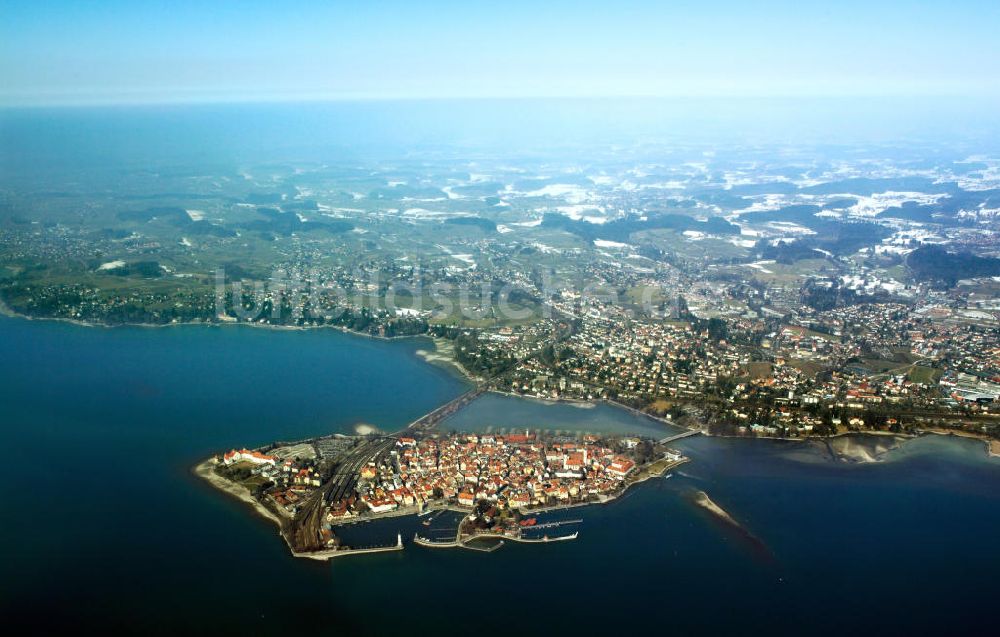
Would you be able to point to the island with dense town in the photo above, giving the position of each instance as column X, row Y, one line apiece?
column 498, row 483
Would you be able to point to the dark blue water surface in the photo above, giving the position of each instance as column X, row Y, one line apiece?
column 104, row 525
column 501, row 413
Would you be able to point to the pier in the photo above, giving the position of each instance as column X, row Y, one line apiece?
column 545, row 538
column 431, row 543
column 551, row 525
column 483, row 549
column 332, row 553
column 461, row 543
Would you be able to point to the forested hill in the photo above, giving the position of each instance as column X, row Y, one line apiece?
column 934, row 263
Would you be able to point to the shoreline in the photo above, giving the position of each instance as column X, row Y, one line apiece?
column 443, row 356
column 641, row 477
column 5, row 310
column 992, row 444
column 447, row 361
column 842, row 434
column 206, row 471
column 594, row 402
column 9, row 312
column 704, row 432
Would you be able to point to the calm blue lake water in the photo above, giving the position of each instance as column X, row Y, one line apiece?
column 104, row 525
column 500, row 413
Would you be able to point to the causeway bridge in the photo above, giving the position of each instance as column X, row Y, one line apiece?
column 684, row 434
column 432, row 418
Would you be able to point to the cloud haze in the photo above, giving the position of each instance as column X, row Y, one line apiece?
column 125, row 52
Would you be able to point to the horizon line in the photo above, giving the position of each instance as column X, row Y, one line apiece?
column 234, row 100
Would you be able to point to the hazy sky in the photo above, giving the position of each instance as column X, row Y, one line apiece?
column 133, row 51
